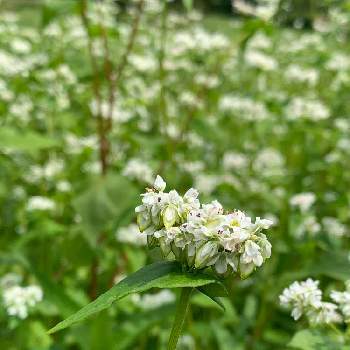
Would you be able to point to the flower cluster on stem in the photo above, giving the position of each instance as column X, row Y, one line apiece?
column 202, row 235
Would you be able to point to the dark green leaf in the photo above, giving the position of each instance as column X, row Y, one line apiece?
column 164, row 274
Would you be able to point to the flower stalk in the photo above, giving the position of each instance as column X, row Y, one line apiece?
column 180, row 316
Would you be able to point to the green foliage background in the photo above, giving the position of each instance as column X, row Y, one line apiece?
column 169, row 115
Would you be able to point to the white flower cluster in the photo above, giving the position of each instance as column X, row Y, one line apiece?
column 202, row 235
column 305, row 298
column 343, row 300
column 19, row 300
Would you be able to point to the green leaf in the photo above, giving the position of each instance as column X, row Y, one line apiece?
column 332, row 265
column 214, row 292
column 164, row 274
column 312, row 339
column 26, row 141
column 105, row 200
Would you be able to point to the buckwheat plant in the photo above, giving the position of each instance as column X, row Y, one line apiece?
column 305, row 300
column 201, row 245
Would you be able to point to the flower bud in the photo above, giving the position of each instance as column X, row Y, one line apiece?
column 206, row 254
column 143, row 220
column 159, row 184
column 169, row 216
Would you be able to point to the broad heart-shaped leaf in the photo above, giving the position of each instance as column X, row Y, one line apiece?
column 163, row 274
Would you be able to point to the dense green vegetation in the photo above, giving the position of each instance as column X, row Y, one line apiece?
column 97, row 99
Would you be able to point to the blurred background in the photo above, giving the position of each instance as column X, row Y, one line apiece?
column 247, row 101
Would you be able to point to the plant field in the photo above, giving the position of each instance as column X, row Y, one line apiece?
column 97, row 98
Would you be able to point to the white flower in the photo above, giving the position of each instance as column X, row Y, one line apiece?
column 201, row 235
column 139, row 170
column 300, row 295
column 159, row 184
column 260, row 60
column 312, row 109
column 333, row 227
column 251, row 254
column 300, row 74
column 154, row 301
column 324, row 313
column 303, row 201
column 233, row 161
column 40, row 203
column 131, row 235
column 343, row 299
column 17, row 300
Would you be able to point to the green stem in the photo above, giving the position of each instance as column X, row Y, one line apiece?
column 180, row 315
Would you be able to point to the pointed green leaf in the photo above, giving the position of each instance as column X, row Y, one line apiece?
column 164, row 274
column 214, row 292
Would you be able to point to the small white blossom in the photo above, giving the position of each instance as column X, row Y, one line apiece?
column 132, row 235
column 303, row 201
column 40, row 203
column 154, row 301
column 18, row 300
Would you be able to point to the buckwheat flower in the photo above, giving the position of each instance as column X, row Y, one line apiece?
column 308, row 108
column 301, row 296
column 234, row 161
column 308, row 225
column 131, row 235
column 186, row 342
column 300, row 74
column 260, row 60
column 250, row 258
column 40, row 203
column 303, row 201
column 324, row 313
column 159, row 184
column 139, row 170
column 154, row 301
column 200, row 236
column 343, row 300
column 334, row 227
column 18, row 300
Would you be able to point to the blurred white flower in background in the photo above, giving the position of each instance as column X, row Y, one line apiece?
column 260, row 60
column 303, row 201
column 305, row 299
column 333, row 226
column 308, row 225
column 139, row 170
column 308, row 108
column 131, row 234
column 264, row 9
column 269, row 162
column 343, row 299
column 234, row 161
column 40, row 203
column 244, row 107
column 17, row 300
column 300, row 74
column 153, row 301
